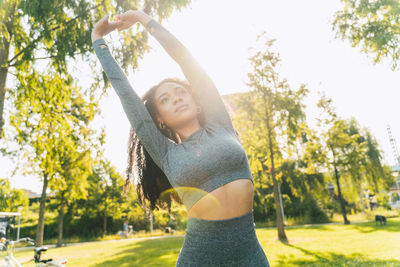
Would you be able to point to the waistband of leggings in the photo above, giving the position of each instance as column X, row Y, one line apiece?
column 239, row 223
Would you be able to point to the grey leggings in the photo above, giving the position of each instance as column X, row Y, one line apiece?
column 230, row 242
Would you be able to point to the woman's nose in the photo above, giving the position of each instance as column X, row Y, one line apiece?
column 177, row 98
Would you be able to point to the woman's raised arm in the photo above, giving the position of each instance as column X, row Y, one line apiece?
column 153, row 140
column 203, row 86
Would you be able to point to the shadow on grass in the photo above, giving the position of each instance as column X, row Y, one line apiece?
column 321, row 227
column 333, row 259
column 365, row 227
column 391, row 226
column 153, row 252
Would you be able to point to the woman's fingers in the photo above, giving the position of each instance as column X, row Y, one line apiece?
column 101, row 24
column 127, row 18
column 109, row 26
column 115, row 24
column 104, row 26
column 104, row 20
column 123, row 16
column 123, row 27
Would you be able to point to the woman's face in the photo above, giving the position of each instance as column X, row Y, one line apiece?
column 175, row 105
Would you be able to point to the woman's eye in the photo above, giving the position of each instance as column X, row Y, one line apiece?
column 164, row 100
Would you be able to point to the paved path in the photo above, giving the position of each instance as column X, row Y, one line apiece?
column 104, row 241
column 319, row 224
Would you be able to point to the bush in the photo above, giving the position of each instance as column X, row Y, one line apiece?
column 315, row 213
column 381, row 211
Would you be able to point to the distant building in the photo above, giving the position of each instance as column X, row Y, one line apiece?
column 228, row 101
column 31, row 194
column 35, row 197
column 232, row 109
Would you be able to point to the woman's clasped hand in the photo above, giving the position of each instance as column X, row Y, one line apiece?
column 122, row 22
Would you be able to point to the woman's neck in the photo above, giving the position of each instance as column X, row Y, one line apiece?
column 187, row 130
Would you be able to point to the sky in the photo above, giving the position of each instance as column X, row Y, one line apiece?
column 219, row 33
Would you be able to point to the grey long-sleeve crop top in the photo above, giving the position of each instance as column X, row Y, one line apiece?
column 207, row 159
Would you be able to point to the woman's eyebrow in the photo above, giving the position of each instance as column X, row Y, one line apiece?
column 177, row 87
column 162, row 95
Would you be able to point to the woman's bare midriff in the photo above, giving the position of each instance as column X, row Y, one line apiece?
column 228, row 201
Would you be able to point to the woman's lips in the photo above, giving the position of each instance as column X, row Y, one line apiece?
column 180, row 108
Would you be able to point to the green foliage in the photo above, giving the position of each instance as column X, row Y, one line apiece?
column 56, row 34
column 275, row 112
column 271, row 121
column 303, row 190
column 10, row 198
column 51, row 122
column 373, row 25
column 61, row 29
column 84, row 218
column 354, row 157
column 50, row 116
column 281, row 106
column 104, row 197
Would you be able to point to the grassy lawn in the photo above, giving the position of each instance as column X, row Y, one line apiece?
column 328, row 245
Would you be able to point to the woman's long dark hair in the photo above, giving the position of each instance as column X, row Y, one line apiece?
column 151, row 181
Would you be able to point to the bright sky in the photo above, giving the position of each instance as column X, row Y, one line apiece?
column 218, row 33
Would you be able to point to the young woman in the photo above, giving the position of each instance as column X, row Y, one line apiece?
column 183, row 137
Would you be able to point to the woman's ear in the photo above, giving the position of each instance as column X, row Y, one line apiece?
column 158, row 118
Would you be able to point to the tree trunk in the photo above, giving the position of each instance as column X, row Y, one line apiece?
column 170, row 219
column 281, row 203
column 4, row 50
column 60, row 221
column 361, row 196
column 42, row 207
column 262, row 191
column 341, row 200
column 105, row 219
column 151, row 221
column 4, row 53
column 3, row 78
column 279, row 216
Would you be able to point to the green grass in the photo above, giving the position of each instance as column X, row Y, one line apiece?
column 363, row 244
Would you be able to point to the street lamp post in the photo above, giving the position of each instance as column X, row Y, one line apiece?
column 19, row 220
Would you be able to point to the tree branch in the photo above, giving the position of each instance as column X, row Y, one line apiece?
column 40, row 36
column 38, row 58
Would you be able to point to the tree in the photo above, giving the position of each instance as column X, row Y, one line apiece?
column 72, row 184
column 10, row 198
column 303, row 190
column 301, row 179
column 282, row 110
column 366, row 166
column 357, row 157
column 57, row 32
column 51, row 120
column 248, row 120
column 378, row 175
column 105, row 192
column 341, row 145
column 373, row 25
